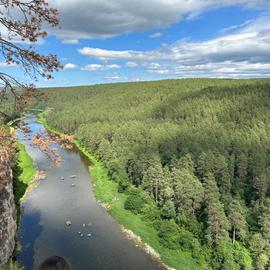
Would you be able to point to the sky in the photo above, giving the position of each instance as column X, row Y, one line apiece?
column 104, row 41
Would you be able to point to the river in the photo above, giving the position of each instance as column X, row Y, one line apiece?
column 42, row 230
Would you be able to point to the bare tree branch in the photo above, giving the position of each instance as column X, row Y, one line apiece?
column 22, row 22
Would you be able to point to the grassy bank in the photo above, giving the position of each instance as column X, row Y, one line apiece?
column 106, row 190
column 24, row 172
column 23, row 175
column 11, row 266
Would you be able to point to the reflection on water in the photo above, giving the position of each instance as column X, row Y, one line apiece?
column 93, row 241
column 30, row 231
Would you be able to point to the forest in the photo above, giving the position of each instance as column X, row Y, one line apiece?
column 192, row 155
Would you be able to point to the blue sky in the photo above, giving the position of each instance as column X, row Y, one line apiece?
column 122, row 40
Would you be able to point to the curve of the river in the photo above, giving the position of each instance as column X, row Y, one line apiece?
column 42, row 231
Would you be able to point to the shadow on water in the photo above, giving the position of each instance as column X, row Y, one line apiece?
column 30, row 229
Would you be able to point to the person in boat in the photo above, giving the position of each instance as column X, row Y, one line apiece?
column 55, row 263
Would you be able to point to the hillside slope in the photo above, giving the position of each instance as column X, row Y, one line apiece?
column 197, row 151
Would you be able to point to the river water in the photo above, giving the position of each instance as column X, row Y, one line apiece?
column 42, row 231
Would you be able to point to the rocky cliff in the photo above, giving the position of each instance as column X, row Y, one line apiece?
column 7, row 210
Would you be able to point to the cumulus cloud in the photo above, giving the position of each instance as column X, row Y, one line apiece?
column 156, row 35
column 251, row 43
column 114, row 77
column 96, row 67
column 109, row 55
column 226, row 69
column 70, row 66
column 107, row 18
column 70, row 41
column 244, row 50
column 131, row 64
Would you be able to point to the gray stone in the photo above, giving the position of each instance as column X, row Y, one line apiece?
column 8, row 226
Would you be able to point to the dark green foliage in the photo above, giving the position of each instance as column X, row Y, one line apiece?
column 150, row 211
column 123, row 183
column 135, row 201
column 237, row 220
column 198, row 147
column 188, row 242
column 225, row 255
column 190, row 223
column 169, row 234
column 168, row 210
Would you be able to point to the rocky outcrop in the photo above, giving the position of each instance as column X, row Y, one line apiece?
column 8, row 225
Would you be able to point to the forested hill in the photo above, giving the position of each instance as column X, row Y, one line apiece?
column 199, row 147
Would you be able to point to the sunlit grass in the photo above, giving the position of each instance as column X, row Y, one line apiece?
column 23, row 173
column 26, row 165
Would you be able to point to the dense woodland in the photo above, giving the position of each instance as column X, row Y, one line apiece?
column 193, row 155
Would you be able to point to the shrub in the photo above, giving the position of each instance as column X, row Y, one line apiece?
column 188, row 242
column 168, row 232
column 242, row 256
column 168, row 210
column 190, row 223
column 123, row 184
column 135, row 201
column 151, row 211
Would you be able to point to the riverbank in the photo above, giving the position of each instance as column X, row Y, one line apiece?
column 142, row 233
column 24, row 173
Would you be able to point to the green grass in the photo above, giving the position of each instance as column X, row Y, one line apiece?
column 26, row 164
column 107, row 190
column 11, row 266
column 24, row 172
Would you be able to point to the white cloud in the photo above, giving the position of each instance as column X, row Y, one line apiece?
column 112, row 77
column 131, row 64
column 70, row 41
column 225, row 69
column 96, row 67
column 153, row 66
column 112, row 66
column 86, row 19
column 156, row 35
column 70, row 66
column 108, row 55
column 244, row 51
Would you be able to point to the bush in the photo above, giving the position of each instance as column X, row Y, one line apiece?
column 168, row 210
column 190, row 223
column 168, row 232
column 151, row 211
column 189, row 243
column 114, row 168
column 225, row 255
column 135, row 201
column 123, row 184
column 242, row 256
